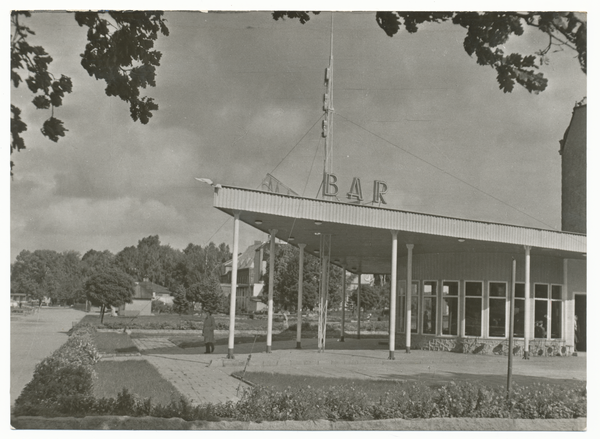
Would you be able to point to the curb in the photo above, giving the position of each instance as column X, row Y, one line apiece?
column 433, row 424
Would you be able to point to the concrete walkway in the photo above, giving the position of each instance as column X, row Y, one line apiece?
column 205, row 378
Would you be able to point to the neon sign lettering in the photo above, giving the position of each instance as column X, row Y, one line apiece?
column 331, row 189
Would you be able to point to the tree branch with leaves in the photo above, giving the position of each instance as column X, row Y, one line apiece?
column 488, row 32
column 120, row 51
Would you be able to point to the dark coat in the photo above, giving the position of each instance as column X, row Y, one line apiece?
column 208, row 330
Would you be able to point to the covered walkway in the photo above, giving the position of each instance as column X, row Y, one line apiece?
column 462, row 274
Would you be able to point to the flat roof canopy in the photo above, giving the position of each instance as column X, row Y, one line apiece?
column 361, row 238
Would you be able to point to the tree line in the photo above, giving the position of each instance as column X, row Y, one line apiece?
column 62, row 276
column 285, row 284
column 192, row 275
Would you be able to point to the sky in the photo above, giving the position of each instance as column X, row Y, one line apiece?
column 240, row 95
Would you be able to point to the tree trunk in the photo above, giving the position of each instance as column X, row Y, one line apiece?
column 102, row 314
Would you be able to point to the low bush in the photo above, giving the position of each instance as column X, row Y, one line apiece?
column 159, row 307
column 344, row 402
column 65, row 374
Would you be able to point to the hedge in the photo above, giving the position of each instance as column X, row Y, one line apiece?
column 406, row 401
column 67, row 373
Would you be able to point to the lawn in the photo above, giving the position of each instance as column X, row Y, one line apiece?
column 114, row 343
column 279, row 382
column 138, row 376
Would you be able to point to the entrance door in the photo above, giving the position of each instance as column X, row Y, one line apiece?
column 580, row 312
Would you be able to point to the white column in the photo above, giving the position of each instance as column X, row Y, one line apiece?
column 528, row 302
column 358, row 303
column 300, row 286
column 343, row 330
column 568, row 299
column 272, row 232
column 408, row 294
column 393, row 294
column 232, row 299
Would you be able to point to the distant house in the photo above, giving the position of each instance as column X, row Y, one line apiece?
column 144, row 293
column 251, row 267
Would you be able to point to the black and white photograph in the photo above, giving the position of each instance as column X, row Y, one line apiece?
column 300, row 217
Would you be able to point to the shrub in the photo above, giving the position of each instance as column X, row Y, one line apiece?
column 65, row 374
column 344, row 402
column 159, row 307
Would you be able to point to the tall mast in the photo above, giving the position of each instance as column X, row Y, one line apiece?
column 328, row 107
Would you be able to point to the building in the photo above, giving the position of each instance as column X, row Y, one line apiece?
column 452, row 278
column 573, row 212
column 573, row 161
column 143, row 294
column 251, row 267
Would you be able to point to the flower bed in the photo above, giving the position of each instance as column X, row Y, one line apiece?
column 404, row 401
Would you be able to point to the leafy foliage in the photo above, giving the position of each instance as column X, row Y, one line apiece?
column 46, row 273
column 410, row 400
column 371, row 297
column 208, row 293
column 61, row 276
column 65, row 374
column 110, row 287
column 119, row 52
column 285, row 290
column 488, row 32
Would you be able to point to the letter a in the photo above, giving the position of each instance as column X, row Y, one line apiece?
column 355, row 190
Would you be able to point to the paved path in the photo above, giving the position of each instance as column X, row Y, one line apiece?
column 33, row 338
column 190, row 374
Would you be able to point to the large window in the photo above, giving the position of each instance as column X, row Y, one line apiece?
column 401, row 316
column 429, row 306
column 414, row 307
column 556, row 312
column 519, row 323
column 548, row 311
column 497, row 315
column 541, row 311
column 473, row 308
column 450, row 308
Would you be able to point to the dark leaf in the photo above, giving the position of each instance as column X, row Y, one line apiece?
column 389, row 22
column 53, row 128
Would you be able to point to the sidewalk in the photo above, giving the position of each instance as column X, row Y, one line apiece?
column 205, row 378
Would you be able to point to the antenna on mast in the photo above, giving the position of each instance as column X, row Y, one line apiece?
column 328, row 121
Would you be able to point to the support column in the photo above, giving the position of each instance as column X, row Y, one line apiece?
column 408, row 294
column 232, row 299
column 300, row 287
column 528, row 325
column 272, row 232
column 568, row 315
column 358, row 302
column 393, row 294
column 343, row 304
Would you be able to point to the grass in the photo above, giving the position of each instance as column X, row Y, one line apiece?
column 279, row 382
column 114, row 343
column 137, row 376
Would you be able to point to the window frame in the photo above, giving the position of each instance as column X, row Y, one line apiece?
column 481, row 308
column 489, row 300
column 435, row 297
column 458, row 308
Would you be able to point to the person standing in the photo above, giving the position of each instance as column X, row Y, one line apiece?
column 208, row 331
column 576, row 332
